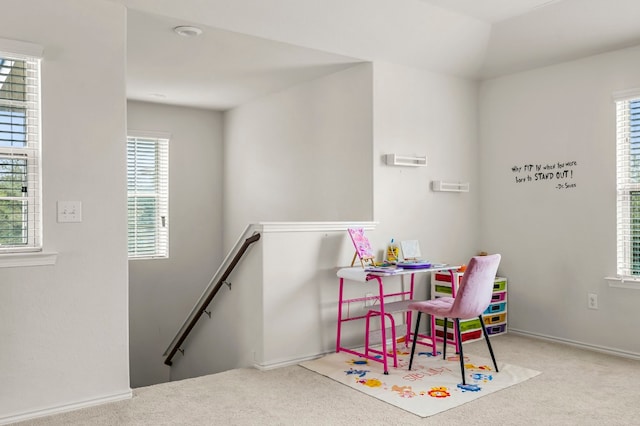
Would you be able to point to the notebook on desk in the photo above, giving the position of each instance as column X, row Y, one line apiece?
column 390, row 270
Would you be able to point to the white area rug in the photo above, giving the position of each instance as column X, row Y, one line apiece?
column 429, row 388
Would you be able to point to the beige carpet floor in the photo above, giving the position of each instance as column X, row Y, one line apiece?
column 576, row 387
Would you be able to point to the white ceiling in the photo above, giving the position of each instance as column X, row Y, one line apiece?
column 491, row 11
column 254, row 47
column 216, row 70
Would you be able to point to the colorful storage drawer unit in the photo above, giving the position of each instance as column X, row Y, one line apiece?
column 494, row 317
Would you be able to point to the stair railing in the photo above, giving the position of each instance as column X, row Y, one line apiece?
column 209, row 293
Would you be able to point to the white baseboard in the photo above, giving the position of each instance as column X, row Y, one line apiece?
column 287, row 362
column 66, row 408
column 587, row 346
column 582, row 345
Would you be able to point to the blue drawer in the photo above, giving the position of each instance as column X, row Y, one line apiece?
column 496, row 307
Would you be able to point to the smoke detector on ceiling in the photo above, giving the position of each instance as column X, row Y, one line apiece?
column 187, row 31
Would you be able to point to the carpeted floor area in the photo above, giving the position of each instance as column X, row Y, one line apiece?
column 576, row 387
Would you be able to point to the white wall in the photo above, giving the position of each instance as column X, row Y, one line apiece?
column 303, row 154
column 421, row 113
column 558, row 243
column 232, row 337
column 64, row 328
column 293, row 303
column 163, row 291
column 300, row 295
column 282, row 305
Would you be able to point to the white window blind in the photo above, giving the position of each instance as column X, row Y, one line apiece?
column 628, row 186
column 148, row 196
column 20, row 188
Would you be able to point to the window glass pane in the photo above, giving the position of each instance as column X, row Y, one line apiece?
column 634, row 140
column 142, row 225
column 13, row 213
column 635, row 232
column 13, row 177
column 13, row 129
column 13, row 222
column 142, row 170
column 13, row 79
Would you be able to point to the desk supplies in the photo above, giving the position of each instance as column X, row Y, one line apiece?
column 392, row 252
column 414, row 264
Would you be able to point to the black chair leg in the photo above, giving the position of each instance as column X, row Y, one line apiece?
column 459, row 340
column 444, row 339
column 486, row 338
column 415, row 339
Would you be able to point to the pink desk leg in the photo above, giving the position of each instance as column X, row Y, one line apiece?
column 383, row 326
column 407, row 334
column 339, row 317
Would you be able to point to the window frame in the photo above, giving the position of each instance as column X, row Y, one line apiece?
column 627, row 186
column 31, row 54
column 161, row 214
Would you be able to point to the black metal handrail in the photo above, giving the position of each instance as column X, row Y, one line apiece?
column 203, row 306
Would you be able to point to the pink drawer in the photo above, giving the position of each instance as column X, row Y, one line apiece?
column 499, row 297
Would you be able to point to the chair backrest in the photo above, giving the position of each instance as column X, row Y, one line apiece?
column 476, row 287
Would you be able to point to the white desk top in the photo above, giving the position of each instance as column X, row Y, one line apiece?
column 357, row 273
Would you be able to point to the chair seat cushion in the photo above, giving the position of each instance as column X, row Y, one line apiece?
column 439, row 307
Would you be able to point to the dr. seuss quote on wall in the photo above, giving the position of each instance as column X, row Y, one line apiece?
column 558, row 174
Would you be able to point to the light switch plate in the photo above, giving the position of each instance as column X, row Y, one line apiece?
column 69, row 211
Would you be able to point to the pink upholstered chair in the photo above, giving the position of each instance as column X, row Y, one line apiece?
column 472, row 299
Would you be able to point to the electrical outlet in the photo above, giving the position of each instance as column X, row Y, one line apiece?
column 592, row 301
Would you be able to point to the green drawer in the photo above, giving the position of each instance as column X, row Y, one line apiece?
column 465, row 325
column 500, row 284
column 443, row 289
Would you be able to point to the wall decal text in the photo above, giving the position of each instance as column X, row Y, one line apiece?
column 560, row 174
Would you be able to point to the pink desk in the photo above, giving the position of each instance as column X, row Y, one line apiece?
column 382, row 310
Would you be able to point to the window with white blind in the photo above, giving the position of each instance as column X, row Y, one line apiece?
column 628, row 184
column 20, row 189
column 148, row 196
